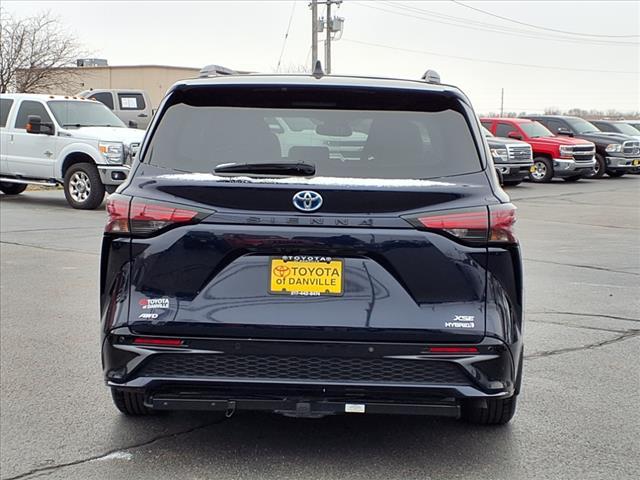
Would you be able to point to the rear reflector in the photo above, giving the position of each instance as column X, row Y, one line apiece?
column 143, row 217
column 159, row 342
column 453, row 350
column 477, row 225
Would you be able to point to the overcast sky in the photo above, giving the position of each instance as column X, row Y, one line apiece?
column 596, row 69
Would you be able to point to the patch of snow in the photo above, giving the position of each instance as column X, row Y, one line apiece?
column 318, row 181
column 117, row 456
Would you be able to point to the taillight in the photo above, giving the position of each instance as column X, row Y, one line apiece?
column 476, row 225
column 144, row 217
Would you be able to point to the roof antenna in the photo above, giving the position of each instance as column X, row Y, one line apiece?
column 317, row 70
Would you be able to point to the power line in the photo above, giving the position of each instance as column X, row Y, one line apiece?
column 286, row 35
column 539, row 27
column 428, row 15
column 551, row 67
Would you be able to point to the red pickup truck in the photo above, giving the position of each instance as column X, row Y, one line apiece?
column 553, row 156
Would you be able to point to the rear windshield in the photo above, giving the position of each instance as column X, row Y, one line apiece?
column 339, row 143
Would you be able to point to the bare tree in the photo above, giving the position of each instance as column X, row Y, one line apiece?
column 37, row 53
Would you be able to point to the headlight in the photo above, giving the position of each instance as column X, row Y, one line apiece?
column 500, row 153
column 566, row 150
column 112, row 152
column 614, row 147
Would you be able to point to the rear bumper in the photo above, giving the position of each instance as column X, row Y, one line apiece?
column 308, row 378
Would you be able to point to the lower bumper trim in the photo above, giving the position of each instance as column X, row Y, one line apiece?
column 301, row 407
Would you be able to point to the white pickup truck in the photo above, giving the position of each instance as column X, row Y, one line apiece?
column 51, row 140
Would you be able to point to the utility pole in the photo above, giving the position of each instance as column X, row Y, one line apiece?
column 502, row 102
column 314, row 33
column 327, row 43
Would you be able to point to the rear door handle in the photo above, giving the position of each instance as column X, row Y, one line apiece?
column 143, row 115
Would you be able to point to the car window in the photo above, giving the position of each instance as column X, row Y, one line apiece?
column 104, row 97
column 75, row 114
column 486, row 125
column 396, row 144
column 503, row 129
column 486, row 132
column 624, row 128
column 5, row 108
column 535, row 129
column 131, row 101
column 554, row 125
column 30, row 107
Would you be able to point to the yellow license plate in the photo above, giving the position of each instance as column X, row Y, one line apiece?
column 307, row 278
column 636, row 163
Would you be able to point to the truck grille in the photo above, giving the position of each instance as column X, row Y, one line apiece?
column 584, row 153
column 303, row 369
column 519, row 154
column 631, row 148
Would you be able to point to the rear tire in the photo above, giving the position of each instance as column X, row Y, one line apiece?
column 130, row 403
column 12, row 188
column 82, row 186
column 572, row 179
column 616, row 174
column 543, row 170
column 498, row 412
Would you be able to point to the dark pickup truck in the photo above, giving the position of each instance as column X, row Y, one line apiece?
column 616, row 154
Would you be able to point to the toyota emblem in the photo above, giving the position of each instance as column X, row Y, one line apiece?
column 307, row 201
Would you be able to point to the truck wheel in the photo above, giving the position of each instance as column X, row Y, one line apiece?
column 497, row 411
column 542, row 170
column 130, row 403
column 82, row 186
column 12, row 188
column 572, row 179
column 600, row 168
column 616, row 173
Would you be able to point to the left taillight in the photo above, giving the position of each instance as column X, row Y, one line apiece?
column 492, row 224
column 144, row 217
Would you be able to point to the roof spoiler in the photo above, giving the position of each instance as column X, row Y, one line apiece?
column 215, row 70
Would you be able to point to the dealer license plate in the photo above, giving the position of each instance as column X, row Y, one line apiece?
column 307, row 278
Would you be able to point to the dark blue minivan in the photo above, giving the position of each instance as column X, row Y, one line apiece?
column 313, row 245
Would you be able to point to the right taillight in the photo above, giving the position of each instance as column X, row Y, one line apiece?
column 145, row 217
column 493, row 224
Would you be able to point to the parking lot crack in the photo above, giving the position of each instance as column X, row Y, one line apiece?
column 590, row 267
column 40, row 471
column 624, row 336
column 53, row 249
column 578, row 314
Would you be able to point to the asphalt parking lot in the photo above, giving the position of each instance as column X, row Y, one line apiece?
column 578, row 416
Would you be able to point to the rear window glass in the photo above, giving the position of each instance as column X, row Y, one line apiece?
column 131, row 101
column 340, row 143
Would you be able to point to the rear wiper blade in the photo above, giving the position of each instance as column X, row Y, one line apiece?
column 300, row 168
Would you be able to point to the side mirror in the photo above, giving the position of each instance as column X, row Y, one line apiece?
column 36, row 125
column 565, row 131
column 500, row 177
column 514, row 135
column 133, row 124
